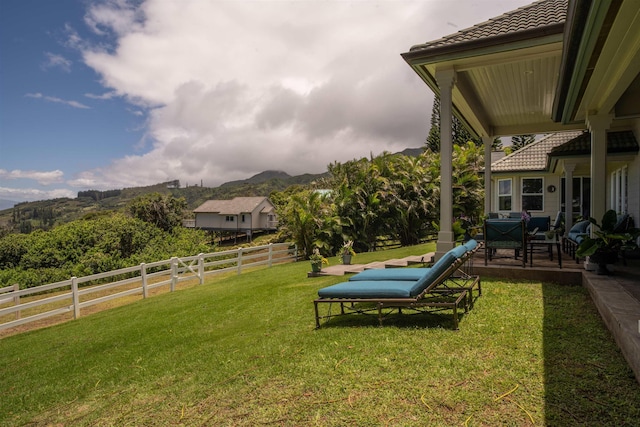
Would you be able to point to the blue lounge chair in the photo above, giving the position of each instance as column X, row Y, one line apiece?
column 410, row 273
column 436, row 289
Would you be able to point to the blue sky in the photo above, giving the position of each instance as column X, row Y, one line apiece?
column 116, row 93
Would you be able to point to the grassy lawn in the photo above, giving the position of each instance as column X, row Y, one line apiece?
column 243, row 351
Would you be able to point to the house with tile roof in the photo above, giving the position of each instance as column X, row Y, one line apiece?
column 533, row 178
column 548, row 67
column 245, row 215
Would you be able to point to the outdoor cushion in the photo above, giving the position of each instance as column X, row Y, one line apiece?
column 579, row 229
column 433, row 273
column 369, row 289
column 389, row 288
column 412, row 274
column 471, row 244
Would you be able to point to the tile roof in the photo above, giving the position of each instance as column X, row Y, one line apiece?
column 617, row 142
column 539, row 14
column 234, row 206
column 533, row 157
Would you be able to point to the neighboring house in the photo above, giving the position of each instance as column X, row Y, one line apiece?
column 239, row 215
column 552, row 66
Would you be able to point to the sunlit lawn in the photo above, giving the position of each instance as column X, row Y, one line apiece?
column 243, row 351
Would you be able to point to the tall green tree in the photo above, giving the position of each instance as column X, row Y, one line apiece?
column 433, row 139
column 519, row 141
column 162, row 210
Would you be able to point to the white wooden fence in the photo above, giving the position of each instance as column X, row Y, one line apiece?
column 71, row 296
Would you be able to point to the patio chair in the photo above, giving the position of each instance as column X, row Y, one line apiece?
column 436, row 290
column 504, row 234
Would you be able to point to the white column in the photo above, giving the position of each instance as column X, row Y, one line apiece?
column 446, row 80
column 568, row 195
column 488, row 195
column 598, row 125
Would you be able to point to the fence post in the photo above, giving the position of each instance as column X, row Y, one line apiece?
column 16, row 299
column 295, row 251
column 76, row 297
column 201, row 267
column 270, row 254
column 239, row 260
column 174, row 273
column 143, row 275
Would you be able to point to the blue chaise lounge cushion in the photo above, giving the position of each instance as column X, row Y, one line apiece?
column 389, row 288
column 414, row 274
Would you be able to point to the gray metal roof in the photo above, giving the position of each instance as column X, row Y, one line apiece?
column 539, row 14
column 533, row 157
column 235, row 206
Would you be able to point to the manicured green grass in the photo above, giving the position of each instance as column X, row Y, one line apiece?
column 244, row 351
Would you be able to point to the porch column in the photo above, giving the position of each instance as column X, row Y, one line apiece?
column 598, row 125
column 446, row 80
column 568, row 195
column 488, row 196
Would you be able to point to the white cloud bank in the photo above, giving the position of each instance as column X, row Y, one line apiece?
column 42, row 177
column 237, row 87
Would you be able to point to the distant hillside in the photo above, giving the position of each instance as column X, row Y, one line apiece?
column 413, row 152
column 259, row 178
column 28, row 216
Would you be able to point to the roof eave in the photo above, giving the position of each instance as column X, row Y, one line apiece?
column 419, row 54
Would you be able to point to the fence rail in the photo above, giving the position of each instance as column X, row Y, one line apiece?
column 78, row 293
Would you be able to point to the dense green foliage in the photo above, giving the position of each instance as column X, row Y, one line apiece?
column 162, row 210
column 94, row 245
column 389, row 196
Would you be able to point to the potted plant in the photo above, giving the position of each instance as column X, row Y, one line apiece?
column 605, row 247
column 317, row 261
column 346, row 252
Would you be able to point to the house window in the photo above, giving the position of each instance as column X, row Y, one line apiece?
column 619, row 190
column 242, row 217
column 532, row 194
column 504, row 194
column 229, row 218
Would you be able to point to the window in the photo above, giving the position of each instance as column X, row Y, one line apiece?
column 504, row 194
column 532, row 194
column 229, row 218
column 619, row 190
column 243, row 218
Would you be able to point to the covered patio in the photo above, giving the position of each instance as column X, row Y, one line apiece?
column 551, row 66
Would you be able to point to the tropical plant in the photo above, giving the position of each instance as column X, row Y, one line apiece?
column 162, row 210
column 346, row 249
column 607, row 244
column 317, row 258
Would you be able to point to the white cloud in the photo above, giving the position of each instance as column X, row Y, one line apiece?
column 235, row 88
column 56, row 61
column 71, row 103
column 105, row 96
column 43, row 178
column 32, row 194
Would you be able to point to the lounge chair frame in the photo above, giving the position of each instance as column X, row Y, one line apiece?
column 452, row 290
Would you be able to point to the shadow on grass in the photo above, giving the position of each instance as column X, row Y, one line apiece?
column 408, row 320
column 587, row 380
